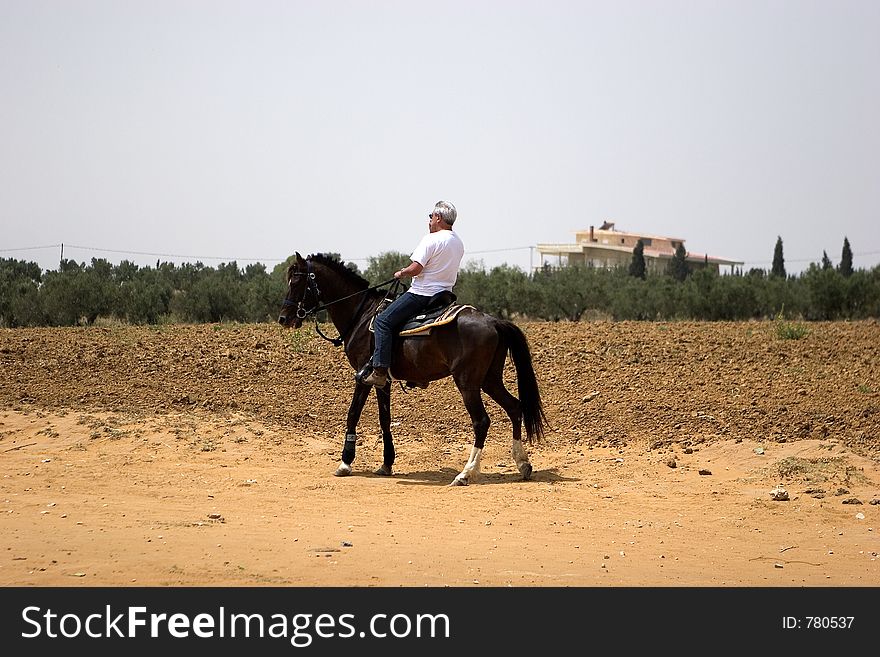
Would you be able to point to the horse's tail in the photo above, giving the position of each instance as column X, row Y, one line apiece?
column 527, row 385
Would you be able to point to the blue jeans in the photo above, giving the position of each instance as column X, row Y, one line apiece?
column 389, row 321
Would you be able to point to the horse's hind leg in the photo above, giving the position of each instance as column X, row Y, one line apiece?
column 361, row 392
column 494, row 387
column 473, row 401
column 383, row 397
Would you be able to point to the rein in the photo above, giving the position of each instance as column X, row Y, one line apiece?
column 339, row 341
column 312, row 284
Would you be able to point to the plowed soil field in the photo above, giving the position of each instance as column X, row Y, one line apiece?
column 204, row 456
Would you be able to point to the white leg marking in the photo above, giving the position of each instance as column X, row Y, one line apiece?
column 343, row 470
column 519, row 454
column 471, row 468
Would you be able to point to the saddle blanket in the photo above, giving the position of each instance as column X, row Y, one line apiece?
column 423, row 323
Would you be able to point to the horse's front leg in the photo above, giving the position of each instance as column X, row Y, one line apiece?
column 383, row 397
column 361, row 392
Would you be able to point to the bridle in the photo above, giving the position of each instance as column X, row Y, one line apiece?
column 312, row 286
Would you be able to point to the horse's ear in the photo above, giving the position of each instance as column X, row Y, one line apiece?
column 299, row 259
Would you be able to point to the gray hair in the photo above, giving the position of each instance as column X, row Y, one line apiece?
column 446, row 211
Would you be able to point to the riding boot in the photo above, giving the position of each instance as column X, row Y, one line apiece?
column 378, row 377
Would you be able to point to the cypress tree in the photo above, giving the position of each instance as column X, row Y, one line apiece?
column 637, row 267
column 778, row 268
column 678, row 267
column 826, row 261
column 846, row 267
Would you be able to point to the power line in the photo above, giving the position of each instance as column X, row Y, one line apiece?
column 512, row 248
column 172, row 255
column 32, row 248
column 209, row 257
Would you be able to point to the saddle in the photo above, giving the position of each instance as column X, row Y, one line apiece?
column 441, row 309
column 422, row 323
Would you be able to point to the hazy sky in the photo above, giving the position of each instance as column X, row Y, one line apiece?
column 250, row 130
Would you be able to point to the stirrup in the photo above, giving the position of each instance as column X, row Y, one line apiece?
column 364, row 372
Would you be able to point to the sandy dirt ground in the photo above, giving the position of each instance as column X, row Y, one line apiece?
column 204, row 456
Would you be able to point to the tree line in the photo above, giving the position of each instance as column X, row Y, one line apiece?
column 81, row 294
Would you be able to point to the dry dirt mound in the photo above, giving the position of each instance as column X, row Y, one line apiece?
column 602, row 383
column 203, row 455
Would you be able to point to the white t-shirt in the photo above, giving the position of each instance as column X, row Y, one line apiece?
column 440, row 254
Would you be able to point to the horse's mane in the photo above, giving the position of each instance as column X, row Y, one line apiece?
column 332, row 262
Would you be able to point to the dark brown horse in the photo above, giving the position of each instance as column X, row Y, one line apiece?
column 472, row 350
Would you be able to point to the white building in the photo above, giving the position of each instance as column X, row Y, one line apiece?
column 608, row 247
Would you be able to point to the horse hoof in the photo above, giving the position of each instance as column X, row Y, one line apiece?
column 526, row 471
column 342, row 471
column 384, row 470
column 459, row 482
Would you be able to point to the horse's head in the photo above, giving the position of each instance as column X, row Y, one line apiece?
column 301, row 296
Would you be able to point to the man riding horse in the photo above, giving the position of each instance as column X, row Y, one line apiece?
column 434, row 269
column 468, row 345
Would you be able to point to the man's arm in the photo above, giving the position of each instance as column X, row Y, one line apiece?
column 413, row 269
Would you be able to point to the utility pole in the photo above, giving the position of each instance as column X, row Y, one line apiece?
column 60, row 262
